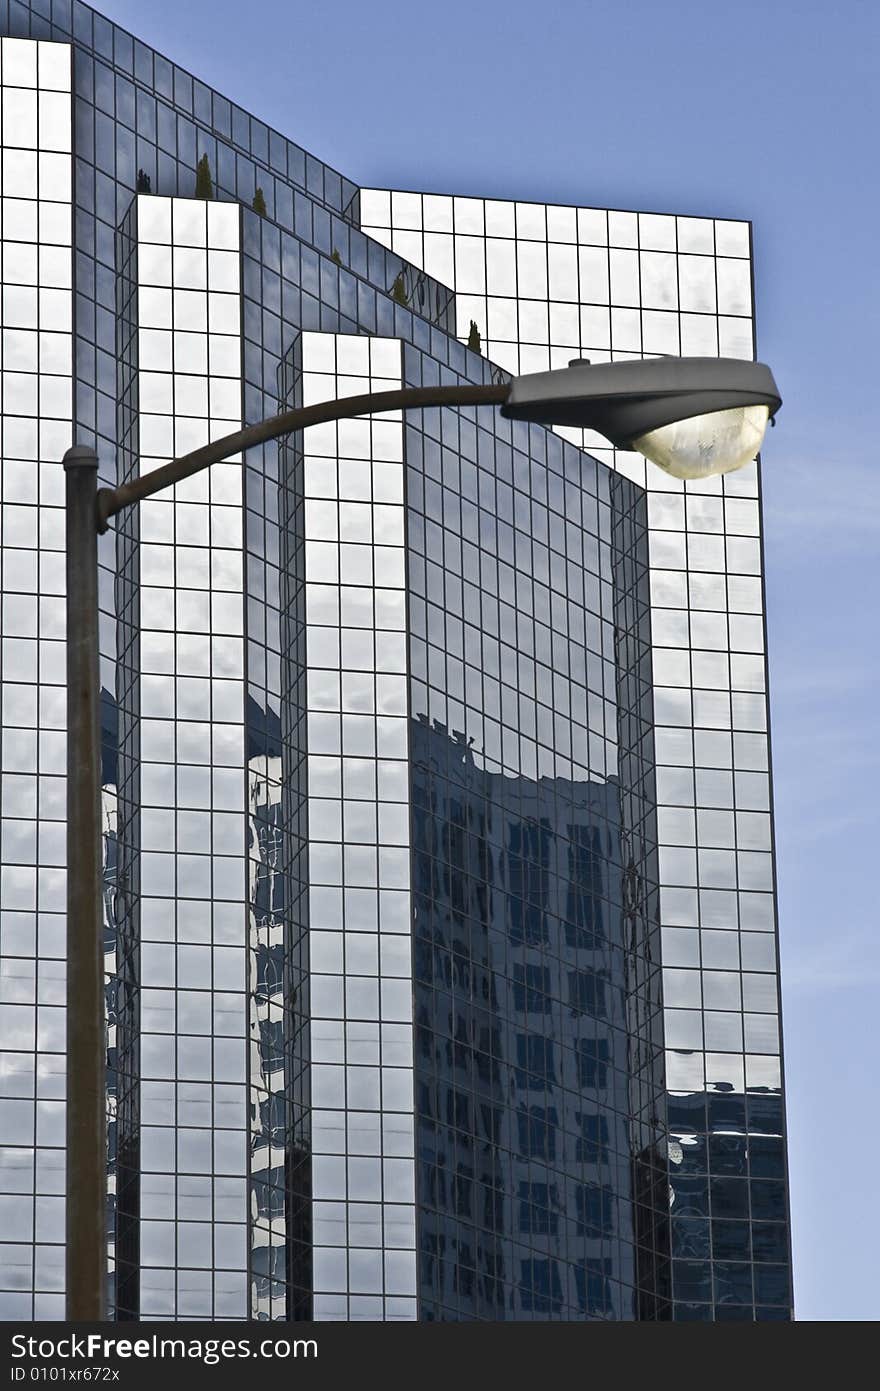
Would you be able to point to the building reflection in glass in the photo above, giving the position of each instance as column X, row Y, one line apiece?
column 522, row 1082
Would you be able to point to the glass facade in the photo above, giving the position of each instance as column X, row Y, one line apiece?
column 439, row 915
column 358, row 816
column 544, row 285
column 181, row 884
column 36, row 423
column 534, row 876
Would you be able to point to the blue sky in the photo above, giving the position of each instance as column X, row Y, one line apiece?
column 766, row 109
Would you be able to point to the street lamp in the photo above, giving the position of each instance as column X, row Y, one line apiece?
column 692, row 416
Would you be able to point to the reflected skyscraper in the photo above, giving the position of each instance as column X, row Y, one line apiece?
column 439, row 913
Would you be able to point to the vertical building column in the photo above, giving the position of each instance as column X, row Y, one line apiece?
column 363, row 1167
column 188, row 698
column 35, row 378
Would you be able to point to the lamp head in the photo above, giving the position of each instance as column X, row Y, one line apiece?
column 692, row 416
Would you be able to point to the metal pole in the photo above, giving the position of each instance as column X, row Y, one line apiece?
column 86, row 1255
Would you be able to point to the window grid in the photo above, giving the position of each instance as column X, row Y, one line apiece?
column 35, row 395
column 360, row 950
column 544, row 284
column 184, row 837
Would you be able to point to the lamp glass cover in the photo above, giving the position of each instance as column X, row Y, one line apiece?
column 704, row 445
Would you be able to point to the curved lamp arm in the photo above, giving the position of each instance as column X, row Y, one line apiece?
column 113, row 500
column 623, row 400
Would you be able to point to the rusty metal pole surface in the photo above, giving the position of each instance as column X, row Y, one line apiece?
column 86, row 1188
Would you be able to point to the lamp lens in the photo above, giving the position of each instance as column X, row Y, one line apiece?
column 706, row 444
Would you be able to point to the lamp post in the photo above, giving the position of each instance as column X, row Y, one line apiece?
column 693, row 416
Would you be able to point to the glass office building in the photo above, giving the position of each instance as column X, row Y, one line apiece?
column 439, row 898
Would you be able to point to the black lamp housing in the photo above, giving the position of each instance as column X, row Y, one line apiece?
column 625, row 400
